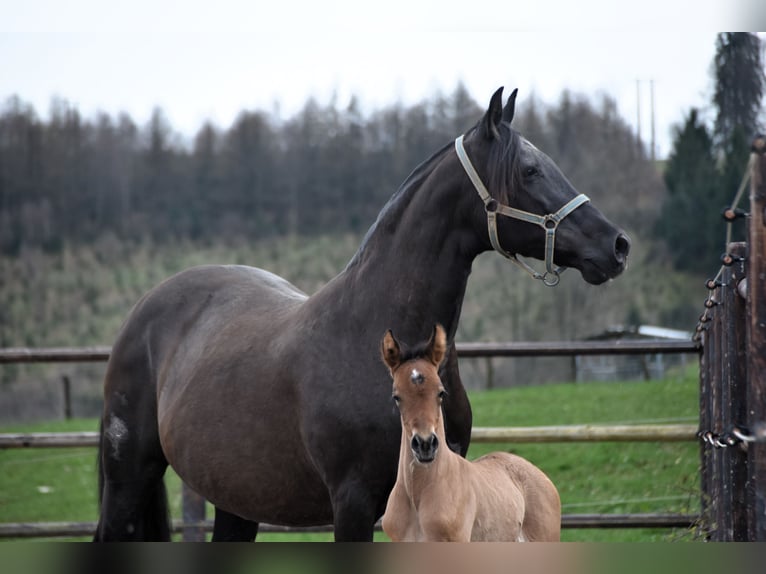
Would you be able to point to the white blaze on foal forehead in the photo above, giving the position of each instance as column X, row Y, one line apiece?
column 417, row 377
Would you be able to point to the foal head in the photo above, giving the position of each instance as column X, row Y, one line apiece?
column 418, row 390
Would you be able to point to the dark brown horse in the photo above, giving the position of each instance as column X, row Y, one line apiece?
column 273, row 404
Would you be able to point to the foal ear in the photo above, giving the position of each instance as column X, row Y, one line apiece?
column 389, row 351
column 493, row 115
column 510, row 107
column 437, row 346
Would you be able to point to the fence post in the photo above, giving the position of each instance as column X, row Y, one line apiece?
column 736, row 456
column 193, row 512
column 67, row 386
column 707, row 360
column 756, row 337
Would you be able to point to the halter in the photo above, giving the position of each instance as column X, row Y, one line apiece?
column 548, row 222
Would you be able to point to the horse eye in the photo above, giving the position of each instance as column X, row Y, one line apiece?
column 531, row 171
column 396, row 399
column 442, row 394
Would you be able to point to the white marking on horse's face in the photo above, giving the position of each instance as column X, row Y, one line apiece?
column 116, row 433
column 417, row 377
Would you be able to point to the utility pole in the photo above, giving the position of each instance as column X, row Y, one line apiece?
column 652, row 152
column 638, row 111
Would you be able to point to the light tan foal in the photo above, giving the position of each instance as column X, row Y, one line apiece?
column 438, row 494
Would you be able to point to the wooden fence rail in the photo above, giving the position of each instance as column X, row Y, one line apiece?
column 539, row 434
column 546, row 434
column 514, row 349
column 82, row 529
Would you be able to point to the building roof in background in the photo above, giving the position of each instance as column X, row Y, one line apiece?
column 641, row 332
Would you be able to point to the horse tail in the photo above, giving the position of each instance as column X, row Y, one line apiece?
column 138, row 511
column 157, row 513
column 133, row 502
column 100, row 473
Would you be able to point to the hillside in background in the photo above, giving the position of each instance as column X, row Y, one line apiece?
column 95, row 212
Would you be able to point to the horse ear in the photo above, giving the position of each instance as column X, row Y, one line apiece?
column 510, row 107
column 493, row 115
column 437, row 346
column 389, row 351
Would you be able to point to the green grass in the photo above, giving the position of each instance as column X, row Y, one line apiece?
column 60, row 484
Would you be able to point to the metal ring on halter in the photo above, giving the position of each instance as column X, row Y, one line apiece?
column 551, row 282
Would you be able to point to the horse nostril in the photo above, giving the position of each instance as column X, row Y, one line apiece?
column 622, row 247
column 425, row 446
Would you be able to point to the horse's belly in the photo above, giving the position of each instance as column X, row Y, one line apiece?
column 244, row 453
column 260, row 487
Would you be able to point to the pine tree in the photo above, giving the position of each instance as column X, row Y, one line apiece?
column 690, row 222
column 739, row 85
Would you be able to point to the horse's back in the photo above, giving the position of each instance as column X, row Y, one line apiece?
column 542, row 504
column 185, row 313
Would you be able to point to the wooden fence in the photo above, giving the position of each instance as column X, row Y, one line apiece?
column 732, row 330
column 194, row 526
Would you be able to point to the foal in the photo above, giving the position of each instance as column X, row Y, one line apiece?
column 438, row 494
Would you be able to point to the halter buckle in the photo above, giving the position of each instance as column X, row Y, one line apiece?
column 551, row 278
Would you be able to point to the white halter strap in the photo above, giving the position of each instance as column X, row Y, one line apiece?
column 548, row 222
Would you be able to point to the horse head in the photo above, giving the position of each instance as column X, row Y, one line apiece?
column 418, row 391
column 531, row 208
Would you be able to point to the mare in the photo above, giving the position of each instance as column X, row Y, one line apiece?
column 272, row 404
column 441, row 496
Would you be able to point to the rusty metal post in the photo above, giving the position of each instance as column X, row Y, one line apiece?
column 736, row 456
column 756, row 335
column 707, row 362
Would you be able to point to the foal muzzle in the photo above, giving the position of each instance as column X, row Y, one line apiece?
column 424, row 448
column 549, row 222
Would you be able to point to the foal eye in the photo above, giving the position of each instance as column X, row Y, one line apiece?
column 442, row 394
column 396, row 399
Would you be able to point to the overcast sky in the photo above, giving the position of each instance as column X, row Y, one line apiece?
column 211, row 60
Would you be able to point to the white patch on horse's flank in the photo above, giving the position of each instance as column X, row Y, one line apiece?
column 417, row 377
column 116, row 433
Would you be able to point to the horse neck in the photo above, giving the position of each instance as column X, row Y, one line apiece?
column 418, row 255
column 417, row 478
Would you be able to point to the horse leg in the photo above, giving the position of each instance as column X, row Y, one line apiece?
column 354, row 513
column 229, row 527
column 131, row 465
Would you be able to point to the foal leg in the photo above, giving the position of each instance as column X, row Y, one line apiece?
column 229, row 527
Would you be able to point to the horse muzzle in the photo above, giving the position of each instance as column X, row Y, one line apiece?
column 597, row 270
column 424, row 448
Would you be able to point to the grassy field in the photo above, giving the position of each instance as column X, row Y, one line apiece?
column 60, row 485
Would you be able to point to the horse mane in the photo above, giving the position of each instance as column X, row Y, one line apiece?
column 505, row 175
